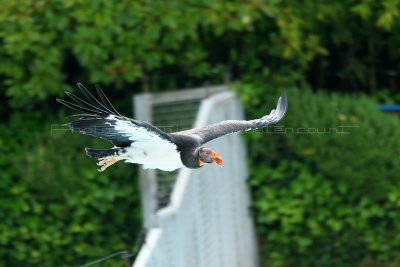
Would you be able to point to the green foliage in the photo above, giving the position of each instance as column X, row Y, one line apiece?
column 54, row 204
column 47, row 45
column 325, row 183
column 56, row 209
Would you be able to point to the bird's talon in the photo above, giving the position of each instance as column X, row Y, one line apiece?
column 106, row 162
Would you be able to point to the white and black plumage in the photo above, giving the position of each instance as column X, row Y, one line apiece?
column 142, row 143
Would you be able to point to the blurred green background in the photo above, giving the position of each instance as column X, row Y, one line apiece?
column 319, row 199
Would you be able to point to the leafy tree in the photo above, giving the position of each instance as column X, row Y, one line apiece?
column 46, row 45
column 53, row 199
column 325, row 182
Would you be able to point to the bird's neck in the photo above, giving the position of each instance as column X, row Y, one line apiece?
column 189, row 158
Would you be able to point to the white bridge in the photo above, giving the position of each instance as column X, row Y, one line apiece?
column 207, row 221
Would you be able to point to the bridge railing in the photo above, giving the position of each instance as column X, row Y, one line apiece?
column 207, row 221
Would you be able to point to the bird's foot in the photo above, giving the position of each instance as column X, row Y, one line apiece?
column 106, row 162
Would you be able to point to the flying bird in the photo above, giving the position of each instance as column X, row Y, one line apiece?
column 142, row 143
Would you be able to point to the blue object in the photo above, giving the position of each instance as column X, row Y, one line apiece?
column 389, row 107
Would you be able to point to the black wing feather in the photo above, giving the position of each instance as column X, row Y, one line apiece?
column 105, row 100
column 93, row 100
column 83, row 116
column 76, row 107
column 83, row 103
column 216, row 130
column 100, row 119
column 102, row 128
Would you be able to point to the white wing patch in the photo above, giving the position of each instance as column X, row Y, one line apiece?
column 132, row 131
column 154, row 155
column 148, row 147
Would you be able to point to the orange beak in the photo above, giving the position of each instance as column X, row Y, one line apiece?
column 216, row 158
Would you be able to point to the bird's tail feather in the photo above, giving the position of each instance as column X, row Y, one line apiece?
column 102, row 153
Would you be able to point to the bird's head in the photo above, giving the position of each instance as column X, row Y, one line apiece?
column 207, row 155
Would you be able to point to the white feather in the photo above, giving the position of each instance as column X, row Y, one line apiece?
column 148, row 147
column 155, row 155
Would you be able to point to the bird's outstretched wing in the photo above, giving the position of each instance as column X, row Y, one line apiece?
column 216, row 130
column 101, row 119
